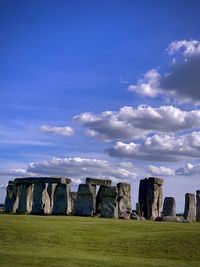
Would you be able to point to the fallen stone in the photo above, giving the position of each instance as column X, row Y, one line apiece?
column 170, row 219
column 124, row 215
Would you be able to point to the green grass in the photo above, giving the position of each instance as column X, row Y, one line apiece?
column 66, row 241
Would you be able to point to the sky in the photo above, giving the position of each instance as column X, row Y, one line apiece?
column 106, row 89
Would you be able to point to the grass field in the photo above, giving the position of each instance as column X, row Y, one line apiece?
column 27, row 240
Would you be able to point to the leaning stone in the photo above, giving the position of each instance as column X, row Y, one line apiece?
column 62, row 201
column 124, row 197
column 86, row 200
column 109, row 208
column 169, row 207
column 190, row 209
column 94, row 181
column 198, row 205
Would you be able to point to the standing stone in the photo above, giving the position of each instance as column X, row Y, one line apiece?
column 11, row 197
column 109, row 206
column 169, row 207
column 150, row 197
column 99, row 199
column 50, row 190
column 124, row 198
column 138, row 211
column 61, row 204
column 94, row 181
column 73, row 197
column 198, row 205
column 25, row 198
column 190, row 209
column 41, row 200
column 86, row 200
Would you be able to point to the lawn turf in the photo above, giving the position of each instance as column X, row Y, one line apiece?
column 69, row 241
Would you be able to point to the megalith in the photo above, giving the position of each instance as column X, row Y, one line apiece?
column 12, row 199
column 41, row 200
column 86, row 200
column 62, row 201
column 198, row 205
column 150, row 197
column 169, row 207
column 73, row 197
column 190, row 208
column 109, row 204
column 124, row 198
column 25, row 198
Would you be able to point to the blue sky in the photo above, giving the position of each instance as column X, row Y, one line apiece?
column 65, row 64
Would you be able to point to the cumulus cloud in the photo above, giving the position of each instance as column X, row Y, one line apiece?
column 63, row 131
column 160, row 148
column 130, row 122
column 189, row 170
column 80, row 168
column 160, row 171
column 148, row 85
column 188, row 48
column 182, row 79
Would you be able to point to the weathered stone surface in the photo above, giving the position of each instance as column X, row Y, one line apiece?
column 12, row 199
column 109, row 207
column 124, row 215
column 73, row 197
column 170, row 219
column 50, row 190
column 156, row 180
column 169, row 207
column 25, row 198
column 86, row 200
column 99, row 200
column 41, row 199
column 150, row 197
column 198, row 205
column 138, row 210
column 62, row 201
column 190, row 208
column 94, row 181
column 33, row 180
column 124, row 197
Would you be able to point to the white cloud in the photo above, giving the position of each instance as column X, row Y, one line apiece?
column 188, row 48
column 160, row 148
column 160, row 171
column 80, row 168
column 189, row 170
column 64, row 131
column 181, row 82
column 135, row 123
column 147, row 86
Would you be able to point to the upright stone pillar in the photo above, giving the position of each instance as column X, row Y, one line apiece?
column 190, row 208
column 41, row 200
column 50, row 190
column 25, row 198
column 86, row 200
column 198, row 205
column 61, row 204
column 124, row 197
column 150, row 197
column 169, row 207
column 73, row 197
column 12, row 199
column 109, row 206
